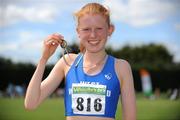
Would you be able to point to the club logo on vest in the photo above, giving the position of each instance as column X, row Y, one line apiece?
column 108, row 76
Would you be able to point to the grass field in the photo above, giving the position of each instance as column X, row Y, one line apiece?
column 53, row 109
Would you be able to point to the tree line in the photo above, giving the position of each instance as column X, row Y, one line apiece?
column 155, row 58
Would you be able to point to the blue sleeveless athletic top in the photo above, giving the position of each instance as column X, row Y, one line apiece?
column 92, row 95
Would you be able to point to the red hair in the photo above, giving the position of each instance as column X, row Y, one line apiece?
column 92, row 8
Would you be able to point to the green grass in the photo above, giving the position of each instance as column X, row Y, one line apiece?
column 53, row 109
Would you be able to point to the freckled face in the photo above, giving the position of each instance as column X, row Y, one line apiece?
column 93, row 31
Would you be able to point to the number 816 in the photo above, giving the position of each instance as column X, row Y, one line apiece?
column 97, row 104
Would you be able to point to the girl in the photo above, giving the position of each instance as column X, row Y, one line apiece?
column 94, row 80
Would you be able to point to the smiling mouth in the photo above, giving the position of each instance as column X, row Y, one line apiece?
column 93, row 42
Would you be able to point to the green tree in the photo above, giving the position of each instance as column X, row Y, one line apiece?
column 148, row 56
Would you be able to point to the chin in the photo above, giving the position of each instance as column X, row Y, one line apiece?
column 96, row 50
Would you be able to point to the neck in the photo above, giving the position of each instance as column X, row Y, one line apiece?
column 94, row 58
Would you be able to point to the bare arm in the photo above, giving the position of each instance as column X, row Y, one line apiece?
column 33, row 90
column 128, row 99
column 37, row 90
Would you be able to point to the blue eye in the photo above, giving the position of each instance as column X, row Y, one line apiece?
column 99, row 28
column 86, row 29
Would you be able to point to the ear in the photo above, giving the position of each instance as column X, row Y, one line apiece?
column 77, row 30
column 111, row 30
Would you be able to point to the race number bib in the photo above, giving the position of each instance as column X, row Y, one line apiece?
column 88, row 99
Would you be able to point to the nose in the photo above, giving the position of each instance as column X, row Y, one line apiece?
column 93, row 33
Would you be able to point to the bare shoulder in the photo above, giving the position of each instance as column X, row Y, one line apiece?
column 69, row 58
column 123, row 71
column 122, row 66
column 65, row 60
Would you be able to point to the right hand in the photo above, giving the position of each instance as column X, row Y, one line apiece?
column 50, row 45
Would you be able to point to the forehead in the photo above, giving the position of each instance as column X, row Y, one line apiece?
column 92, row 19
